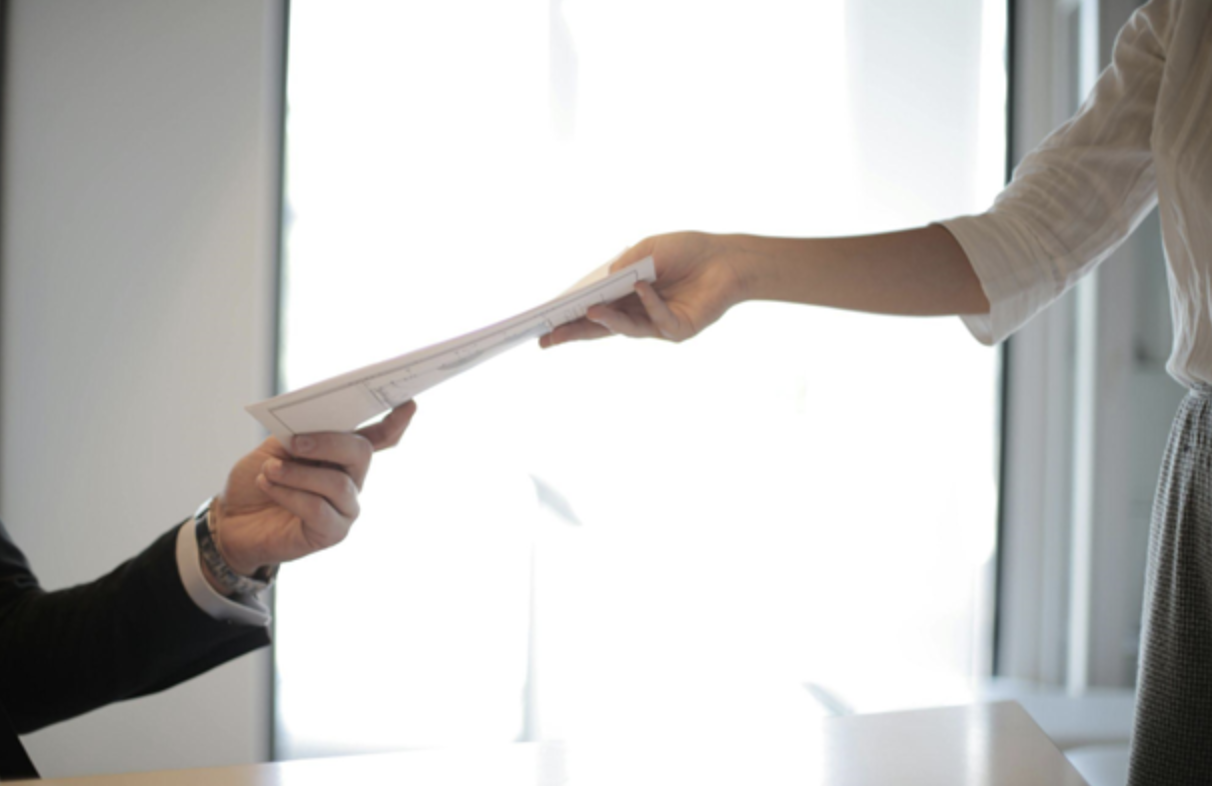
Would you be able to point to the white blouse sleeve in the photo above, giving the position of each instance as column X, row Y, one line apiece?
column 1075, row 198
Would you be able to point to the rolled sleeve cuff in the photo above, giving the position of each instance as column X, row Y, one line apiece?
column 246, row 610
column 1016, row 287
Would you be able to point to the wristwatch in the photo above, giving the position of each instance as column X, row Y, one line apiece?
column 208, row 549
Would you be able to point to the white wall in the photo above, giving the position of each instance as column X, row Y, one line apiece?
column 139, row 226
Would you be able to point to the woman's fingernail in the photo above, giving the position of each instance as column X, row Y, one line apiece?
column 263, row 481
column 302, row 444
column 272, row 467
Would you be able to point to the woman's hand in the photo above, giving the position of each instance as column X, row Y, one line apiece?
column 285, row 502
column 698, row 278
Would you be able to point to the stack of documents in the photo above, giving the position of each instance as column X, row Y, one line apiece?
column 346, row 401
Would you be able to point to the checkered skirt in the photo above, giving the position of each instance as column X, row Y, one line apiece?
column 1172, row 737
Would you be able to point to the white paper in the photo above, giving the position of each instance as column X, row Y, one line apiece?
column 344, row 402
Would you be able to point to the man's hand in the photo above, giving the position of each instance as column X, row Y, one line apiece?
column 285, row 502
column 698, row 278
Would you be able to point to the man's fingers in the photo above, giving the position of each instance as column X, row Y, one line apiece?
column 387, row 432
column 331, row 484
column 323, row 525
column 350, row 452
column 658, row 310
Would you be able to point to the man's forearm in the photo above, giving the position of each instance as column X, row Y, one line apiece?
column 920, row 272
column 131, row 632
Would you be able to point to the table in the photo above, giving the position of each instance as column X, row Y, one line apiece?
column 979, row 745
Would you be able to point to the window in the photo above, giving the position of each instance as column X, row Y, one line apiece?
column 632, row 538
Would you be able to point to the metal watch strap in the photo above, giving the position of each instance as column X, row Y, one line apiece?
column 209, row 551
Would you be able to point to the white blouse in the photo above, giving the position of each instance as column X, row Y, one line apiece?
column 1142, row 138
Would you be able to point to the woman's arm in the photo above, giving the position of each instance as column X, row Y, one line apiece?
column 699, row 277
column 1072, row 201
column 920, row 272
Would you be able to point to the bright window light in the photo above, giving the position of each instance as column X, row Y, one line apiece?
column 628, row 539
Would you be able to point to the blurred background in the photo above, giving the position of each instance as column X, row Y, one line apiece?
column 664, row 539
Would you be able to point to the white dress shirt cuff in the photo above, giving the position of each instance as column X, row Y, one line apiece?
column 247, row 610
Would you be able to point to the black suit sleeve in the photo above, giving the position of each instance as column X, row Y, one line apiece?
column 132, row 632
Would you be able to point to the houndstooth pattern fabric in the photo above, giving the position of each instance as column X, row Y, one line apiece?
column 1172, row 738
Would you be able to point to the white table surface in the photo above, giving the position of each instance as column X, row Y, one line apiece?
column 979, row 745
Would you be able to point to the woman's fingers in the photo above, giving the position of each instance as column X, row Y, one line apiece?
column 667, row 322
column 332, row 485
column 580, row 330
column 624, row 323
column 649, row 317
column 626, row 317
column 633, row 254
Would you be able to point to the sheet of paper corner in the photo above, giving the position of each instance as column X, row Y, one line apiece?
column 346, row 401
